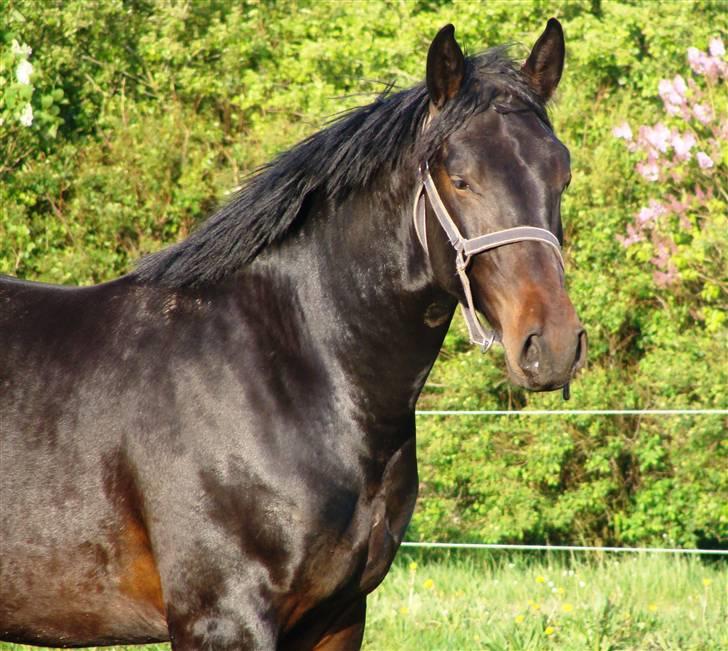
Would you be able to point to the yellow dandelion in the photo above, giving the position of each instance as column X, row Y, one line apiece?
column 652, row 608
column 413, row 566
column 560, row 590
column 549, row 630
column 536, row 606
column 520, row 619
column 707, row 582
column 567, row 608
column 404, row 610
column 428, row 584
column 540, row 579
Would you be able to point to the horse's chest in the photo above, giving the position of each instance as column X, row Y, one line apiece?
column 356, row 546
column 391, row 510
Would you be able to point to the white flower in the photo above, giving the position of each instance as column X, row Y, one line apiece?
column 23, row 72
column 19, row 50
column 26, row 117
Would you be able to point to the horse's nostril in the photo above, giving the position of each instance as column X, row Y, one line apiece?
column 530, row 354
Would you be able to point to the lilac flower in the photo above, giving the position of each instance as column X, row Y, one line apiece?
column 679, row 85
column 702, row 113
column 710, row 66
column 657, row 137
column 633, row 236
column 699, row 61
column 673, row 94
column 704, row 160
column 682, row 144
column 662, row 259
column 622, row 131
column 716, row 47
column 696, row 60
column 650, row 212
column 650, row 171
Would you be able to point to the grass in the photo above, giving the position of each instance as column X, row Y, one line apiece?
column 473, row 601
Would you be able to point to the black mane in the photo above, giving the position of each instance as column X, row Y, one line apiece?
column 341, row 158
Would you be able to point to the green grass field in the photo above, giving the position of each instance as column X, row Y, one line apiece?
column 471, row 601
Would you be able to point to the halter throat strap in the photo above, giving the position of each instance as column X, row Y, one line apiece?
column 466, row 248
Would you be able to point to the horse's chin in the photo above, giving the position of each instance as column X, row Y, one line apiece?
column 520, row 379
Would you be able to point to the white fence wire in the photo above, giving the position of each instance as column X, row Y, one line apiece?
column 573, row 412
column 570, row 412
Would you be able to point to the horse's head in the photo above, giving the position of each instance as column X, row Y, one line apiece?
column 495, row 170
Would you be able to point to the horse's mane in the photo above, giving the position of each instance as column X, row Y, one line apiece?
column 347, row 155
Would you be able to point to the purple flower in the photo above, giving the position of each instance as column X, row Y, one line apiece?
column 622, row 131
column 710, row 66
column 704, row 160
column 662, row 259
column 694, row 55
column 657, row 137
column 633, row 236
column 682, row 144
column 696, row 60
column 650, row 212
column 716, row 47
column 673, row 94
column 702, row 113
column 679, row 85
column 649, row 171
column 675, row 205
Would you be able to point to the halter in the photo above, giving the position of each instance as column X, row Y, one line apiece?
column 466, row 248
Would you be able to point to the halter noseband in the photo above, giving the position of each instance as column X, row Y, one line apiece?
column 466, row 248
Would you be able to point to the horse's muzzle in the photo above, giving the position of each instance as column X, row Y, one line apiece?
column 549, row 362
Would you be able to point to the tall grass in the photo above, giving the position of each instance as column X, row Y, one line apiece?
column 466, row 601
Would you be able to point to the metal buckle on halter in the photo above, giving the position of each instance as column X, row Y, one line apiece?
column 461, row 260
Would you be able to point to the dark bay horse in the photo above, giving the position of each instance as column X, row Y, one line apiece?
column 219, row 448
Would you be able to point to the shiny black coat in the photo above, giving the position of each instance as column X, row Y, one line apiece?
column 219, row 448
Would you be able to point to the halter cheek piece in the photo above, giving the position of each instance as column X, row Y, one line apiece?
column 465, row 248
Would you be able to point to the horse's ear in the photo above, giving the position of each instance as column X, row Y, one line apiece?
column 546, row 61
column 445, row 67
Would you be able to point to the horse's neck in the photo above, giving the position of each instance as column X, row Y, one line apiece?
column 365, row 294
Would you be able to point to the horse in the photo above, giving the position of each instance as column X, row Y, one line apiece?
column 218, row 448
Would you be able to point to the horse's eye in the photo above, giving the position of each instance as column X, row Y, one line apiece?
column 459, row 183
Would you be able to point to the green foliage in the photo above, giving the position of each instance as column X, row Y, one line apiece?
column 145, row 114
